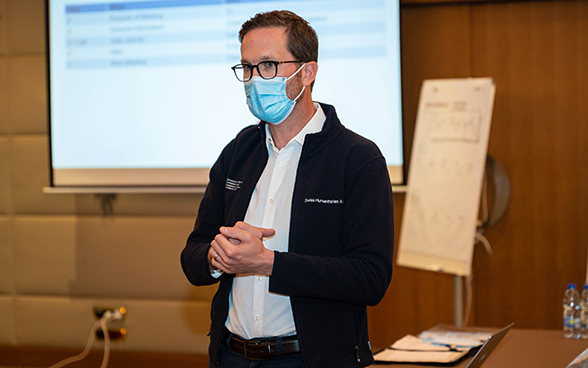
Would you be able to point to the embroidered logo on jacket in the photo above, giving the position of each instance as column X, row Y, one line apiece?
column 233, row 184
column 323, row 201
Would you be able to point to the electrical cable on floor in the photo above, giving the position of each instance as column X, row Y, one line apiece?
column 102, row 322
column 84, row 353
column 106, row 341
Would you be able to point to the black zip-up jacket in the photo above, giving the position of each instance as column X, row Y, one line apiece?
column 341, row 238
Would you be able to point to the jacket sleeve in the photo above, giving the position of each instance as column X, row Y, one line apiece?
column 194, row 257
column 362, row 272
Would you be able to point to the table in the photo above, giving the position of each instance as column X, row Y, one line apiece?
column 525, row 348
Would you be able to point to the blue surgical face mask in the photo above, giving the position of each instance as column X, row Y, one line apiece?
column 267, row 98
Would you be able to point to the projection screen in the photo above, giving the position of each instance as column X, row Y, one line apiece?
column 141, row 92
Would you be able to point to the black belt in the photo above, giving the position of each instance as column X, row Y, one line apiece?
column 264, row 349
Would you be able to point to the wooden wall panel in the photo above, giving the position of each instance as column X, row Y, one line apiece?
column 436, row 44
column 537, row 53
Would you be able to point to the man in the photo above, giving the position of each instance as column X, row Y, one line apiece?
column 297, row 220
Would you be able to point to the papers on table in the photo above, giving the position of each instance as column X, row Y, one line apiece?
column 455, row 338
column 399, row 356
column 414, row 349
column 432, row 346
column 410, row 342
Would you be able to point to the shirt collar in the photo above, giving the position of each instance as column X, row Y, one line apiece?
column 314, row 125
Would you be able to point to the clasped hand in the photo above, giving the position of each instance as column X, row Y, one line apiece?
column 240, row 249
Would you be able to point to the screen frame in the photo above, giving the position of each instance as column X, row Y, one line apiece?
column 133, row 181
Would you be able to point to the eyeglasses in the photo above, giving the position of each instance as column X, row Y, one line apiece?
column 265, row 69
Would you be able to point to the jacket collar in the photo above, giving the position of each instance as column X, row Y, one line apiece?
column 315, row 142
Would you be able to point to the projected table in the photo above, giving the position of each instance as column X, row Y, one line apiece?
column 185, row 32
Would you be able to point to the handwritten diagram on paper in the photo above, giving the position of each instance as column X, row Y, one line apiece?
column 459, row 126
column 445, row 176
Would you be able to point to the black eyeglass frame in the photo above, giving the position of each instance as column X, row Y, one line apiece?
column 256, row 66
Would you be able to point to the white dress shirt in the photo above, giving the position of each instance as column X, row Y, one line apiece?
column 253, row 311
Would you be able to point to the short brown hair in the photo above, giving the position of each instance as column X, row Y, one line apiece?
column 302, row 39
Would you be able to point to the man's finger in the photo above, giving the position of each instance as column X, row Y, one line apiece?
column 217, row 248
column 266, row 233
column 217, row 256
column 235, row 233
column 226, row 248
column 258, row 232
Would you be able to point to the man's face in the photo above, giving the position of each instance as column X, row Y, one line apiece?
column 270, row 44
